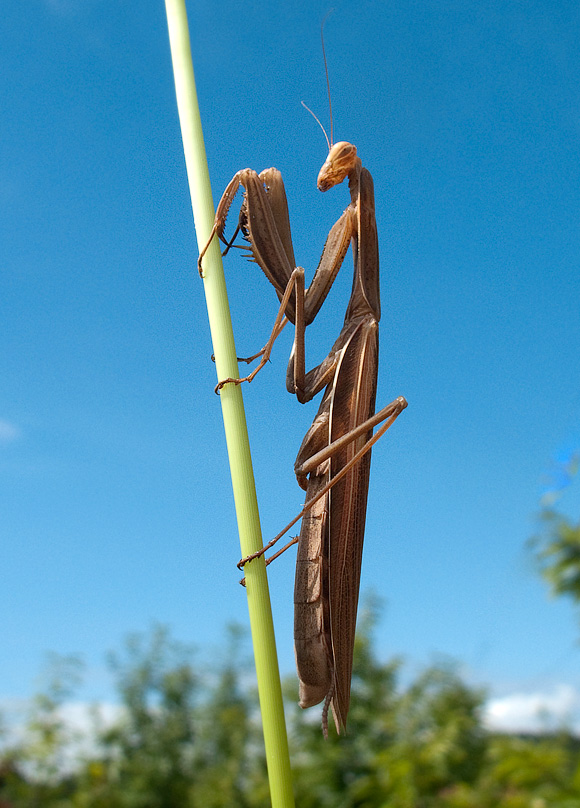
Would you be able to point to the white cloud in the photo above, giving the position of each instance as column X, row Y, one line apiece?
column 81, row 716
column 8, row 431
column 82, row 721
column 535, row 712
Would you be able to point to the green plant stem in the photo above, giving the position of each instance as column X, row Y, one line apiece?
column 262, row 628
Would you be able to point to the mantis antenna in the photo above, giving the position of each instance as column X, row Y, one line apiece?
column 331, row 141
column 317, row 119
column 328, row 13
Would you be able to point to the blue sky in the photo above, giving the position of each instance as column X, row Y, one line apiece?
column 116, row 502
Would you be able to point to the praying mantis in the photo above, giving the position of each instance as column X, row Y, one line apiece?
column 333, row 463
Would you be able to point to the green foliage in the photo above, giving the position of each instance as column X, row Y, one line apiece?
column 36, row 770
column 558, row 553
column 146, row 756
column 185, row 737
column 557, row 545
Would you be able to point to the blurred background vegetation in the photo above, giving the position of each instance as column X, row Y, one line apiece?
column 186, row 735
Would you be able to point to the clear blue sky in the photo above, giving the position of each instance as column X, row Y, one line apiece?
column 116, row 506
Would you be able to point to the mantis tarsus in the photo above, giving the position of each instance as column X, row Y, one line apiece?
column 333, row 463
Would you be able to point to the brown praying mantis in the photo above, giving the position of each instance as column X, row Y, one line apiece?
column 333, row 463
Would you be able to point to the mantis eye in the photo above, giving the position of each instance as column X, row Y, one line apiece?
column 344, row 152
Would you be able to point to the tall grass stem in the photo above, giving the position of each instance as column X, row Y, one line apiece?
column 242, row 475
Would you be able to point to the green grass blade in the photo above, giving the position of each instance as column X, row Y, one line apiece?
column 262, row 628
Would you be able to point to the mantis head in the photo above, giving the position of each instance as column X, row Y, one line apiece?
column 341, row 161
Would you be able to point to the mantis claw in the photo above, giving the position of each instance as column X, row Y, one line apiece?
column 223, row 383
column 243, row 561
